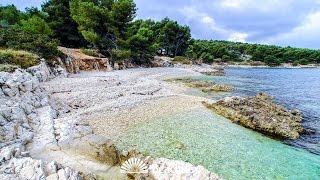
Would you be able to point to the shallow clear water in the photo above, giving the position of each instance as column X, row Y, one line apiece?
column 228, row 149
column 292, row 88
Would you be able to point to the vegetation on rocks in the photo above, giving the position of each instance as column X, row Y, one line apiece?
column 181, row 59
column 20, row 58
column 260, row 113
column 8, row 67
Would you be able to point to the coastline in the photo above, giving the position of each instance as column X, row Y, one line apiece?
column 103, row 109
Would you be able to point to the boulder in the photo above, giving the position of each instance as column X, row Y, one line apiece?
column 260, row 113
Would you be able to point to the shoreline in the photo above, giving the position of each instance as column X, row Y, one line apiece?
column 111, row 102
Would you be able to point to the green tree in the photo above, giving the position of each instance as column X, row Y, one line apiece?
column 35, row 25
column 141, row 45
column 65, row 29
column 9, row 15
column 103, row 23
column 39, row 44
column 172, row 38
column 272, row 61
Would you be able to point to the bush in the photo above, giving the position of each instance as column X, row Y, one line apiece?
column 120, row 55
column 38, row 44
column 295, row 63
column 272, row 61
column 90, row 52
column 303, row 62
column 20, row 58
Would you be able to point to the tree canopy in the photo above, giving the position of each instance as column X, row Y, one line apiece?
column 110, row 28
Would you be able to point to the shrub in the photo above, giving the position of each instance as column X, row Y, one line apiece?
column 303, row 62
column 90, row 52
column 296, row 63
column 120, row 55
column 39, row 44
column 272, row 61
column 20, row 58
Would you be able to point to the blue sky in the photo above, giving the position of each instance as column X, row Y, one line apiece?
column 281, row 22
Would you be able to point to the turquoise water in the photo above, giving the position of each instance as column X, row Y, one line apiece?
column 292, row 88
column 225, row 148
column 231, row 151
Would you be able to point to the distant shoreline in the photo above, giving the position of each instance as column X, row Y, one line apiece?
column 283, row 66
column 269, row 67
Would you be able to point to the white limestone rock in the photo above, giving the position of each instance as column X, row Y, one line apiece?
column 166, row 169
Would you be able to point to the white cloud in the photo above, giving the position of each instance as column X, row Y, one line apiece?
column 234, row 4
column 238, row 37
column 192, row 14
column 304, row 35
column 256, row 5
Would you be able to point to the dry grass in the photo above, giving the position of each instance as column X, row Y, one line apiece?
column 22, row 59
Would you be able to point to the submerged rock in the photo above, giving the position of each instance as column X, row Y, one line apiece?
column 206, row 86
column 195, row 83
column 219, row 88
column 261, row 114
column 215, row 72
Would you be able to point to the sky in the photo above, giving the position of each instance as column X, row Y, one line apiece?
column 293, row 23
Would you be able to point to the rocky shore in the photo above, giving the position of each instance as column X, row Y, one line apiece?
column 261, row 114
column 55, row 126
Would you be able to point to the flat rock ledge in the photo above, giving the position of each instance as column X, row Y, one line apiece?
column 260, row 113
column 206, row 86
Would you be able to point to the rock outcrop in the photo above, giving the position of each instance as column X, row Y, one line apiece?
column 261, row 114
column 206, row 86
column 76, row 61
column 28, row 128
column 21, row 98
column 215, row 72
column 160, row 61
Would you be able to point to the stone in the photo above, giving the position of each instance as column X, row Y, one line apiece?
column 93, row 146
column 162, row 168
column 116, row 66
column 62, row 175
column 54, row 176
column 260, row 113
column 8, row 92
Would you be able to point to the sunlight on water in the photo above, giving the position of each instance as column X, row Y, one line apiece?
column 227, row 149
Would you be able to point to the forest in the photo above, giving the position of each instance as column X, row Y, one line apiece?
column 110, row 28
